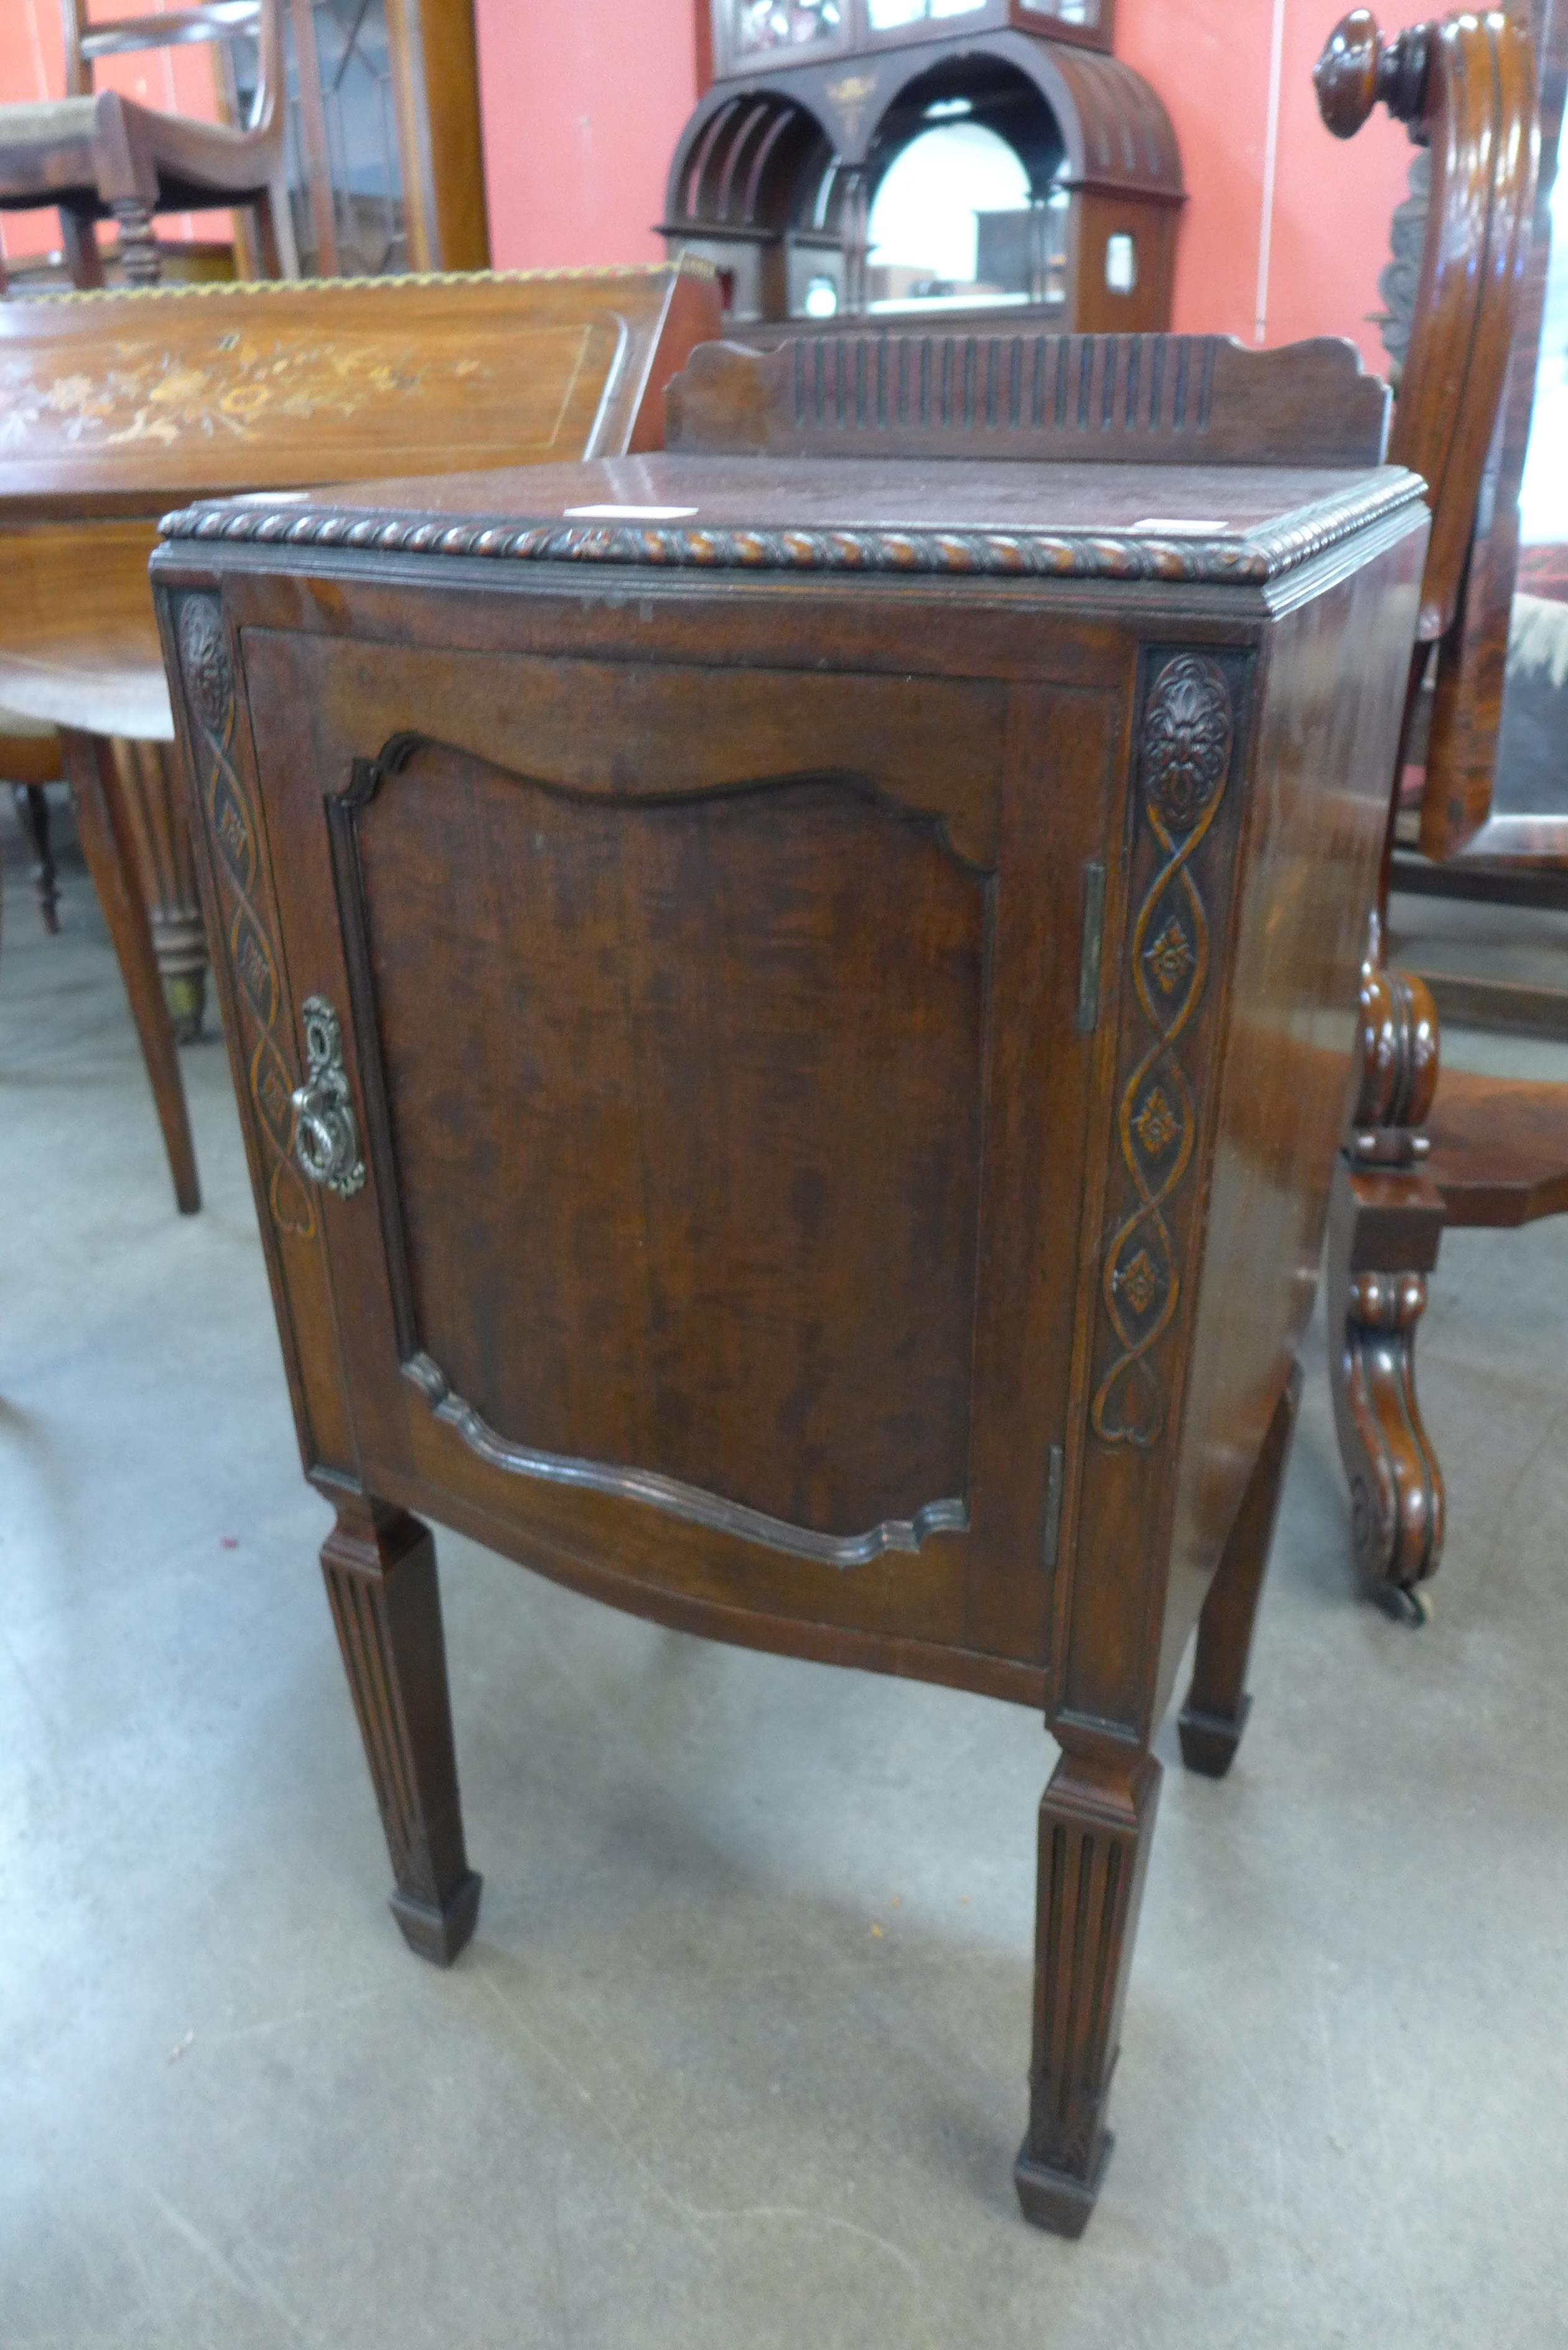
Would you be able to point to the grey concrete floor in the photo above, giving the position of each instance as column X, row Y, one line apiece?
column 737, row 2056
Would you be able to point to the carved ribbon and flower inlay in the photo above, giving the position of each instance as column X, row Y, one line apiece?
column 1185, row 759
column 208, row 680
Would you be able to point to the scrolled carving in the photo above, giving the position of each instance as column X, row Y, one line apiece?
column 1397, row 1503
column 1399, row 280
column 1399, row 1060
column 1188, row 738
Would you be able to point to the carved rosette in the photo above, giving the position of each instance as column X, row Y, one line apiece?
column 1188, row 730
column 205, row 661
column 208, row 676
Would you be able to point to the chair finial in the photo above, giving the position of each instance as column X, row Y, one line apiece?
column 1356, row 70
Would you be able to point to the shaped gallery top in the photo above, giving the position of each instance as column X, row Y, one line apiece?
column 1186, row 459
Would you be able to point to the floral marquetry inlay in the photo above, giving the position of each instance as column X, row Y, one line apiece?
column 246, row 382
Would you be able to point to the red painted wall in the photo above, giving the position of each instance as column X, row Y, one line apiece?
column 583, row 102
column 1268, row 256
column 583, row 99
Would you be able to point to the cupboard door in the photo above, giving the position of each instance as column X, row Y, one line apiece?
column 669, row 1011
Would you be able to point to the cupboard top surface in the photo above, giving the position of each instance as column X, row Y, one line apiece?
column 1233, row 523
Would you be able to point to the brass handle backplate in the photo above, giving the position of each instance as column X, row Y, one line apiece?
column 325, row 1137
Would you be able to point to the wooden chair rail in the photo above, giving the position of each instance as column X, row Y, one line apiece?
column 220, row 21
column 1467, row 88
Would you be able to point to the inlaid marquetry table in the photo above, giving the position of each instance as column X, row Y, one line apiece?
column 793, row 1004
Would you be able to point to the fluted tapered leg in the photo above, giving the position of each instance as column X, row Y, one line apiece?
column 381, row 1571
column 1096, row 1823
column 1216, row 1706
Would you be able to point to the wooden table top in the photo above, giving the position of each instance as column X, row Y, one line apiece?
column 78, row 644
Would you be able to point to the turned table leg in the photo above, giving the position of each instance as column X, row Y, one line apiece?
column 1097, row 1821
column 381, row 1571
column 1218, row 1705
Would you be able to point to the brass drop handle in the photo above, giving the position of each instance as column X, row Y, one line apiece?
column 325, row 1137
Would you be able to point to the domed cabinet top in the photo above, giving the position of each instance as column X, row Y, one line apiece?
column 886, row 160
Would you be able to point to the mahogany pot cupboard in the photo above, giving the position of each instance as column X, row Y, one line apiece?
column 793, row 1002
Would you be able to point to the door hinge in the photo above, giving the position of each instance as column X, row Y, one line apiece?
column 1051, row 1529
column 1090, row 946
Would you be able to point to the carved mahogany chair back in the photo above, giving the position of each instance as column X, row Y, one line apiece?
column 98, row 154
column 1427, row 1150
column 1467, row 90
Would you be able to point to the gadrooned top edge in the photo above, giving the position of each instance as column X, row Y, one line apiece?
column 1245, row 559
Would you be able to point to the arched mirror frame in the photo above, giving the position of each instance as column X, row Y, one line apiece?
column 1121, row 171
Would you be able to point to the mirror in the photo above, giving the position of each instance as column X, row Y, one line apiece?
column 954, row 222
column 1533, row 745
